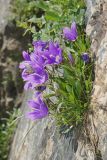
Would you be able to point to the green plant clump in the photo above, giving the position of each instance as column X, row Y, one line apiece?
column 73, row 80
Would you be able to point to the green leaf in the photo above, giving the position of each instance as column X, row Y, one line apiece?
column 52, row 16
column 49, row 95
column 33, row 20
column 68, row 88
column 42, row 5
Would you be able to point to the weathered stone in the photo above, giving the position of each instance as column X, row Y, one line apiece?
column 4, row 14
column 1, row 40
column 99, row 97
column 40, row 140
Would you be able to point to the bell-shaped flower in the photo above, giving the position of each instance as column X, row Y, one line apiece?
column 53, row 55
column 33, row 70
column 26, row 61
column 70, row 33
column 85, row 57
column 38, row 77
column 39, row 109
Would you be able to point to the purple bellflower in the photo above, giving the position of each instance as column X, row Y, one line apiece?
column 38, row 77
column 39, row 46
column 38, row 58
column 27, row 60
column 85, row 57
column 33, row 72
column 53, row 55
column 40, row 110
column 70, row 33
column 26, row 67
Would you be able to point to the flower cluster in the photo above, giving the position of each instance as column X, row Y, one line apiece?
column 34, row 71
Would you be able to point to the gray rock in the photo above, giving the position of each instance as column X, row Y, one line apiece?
column 40, row 140
column 4, row 14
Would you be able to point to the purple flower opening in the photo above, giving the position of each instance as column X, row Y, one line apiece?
column 38, row 78
column 53, row 55
column 85, row 57
column 26, row 56
column 40, row 109
column 41, row 88
column 70, row 33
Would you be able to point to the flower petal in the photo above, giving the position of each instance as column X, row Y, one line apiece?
column 67, row 33
column 74, row 33
column 38, row 79
column 34, row 115
column 70, row 33
column 27, row 85
column 26, row 56
column 33, row 104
